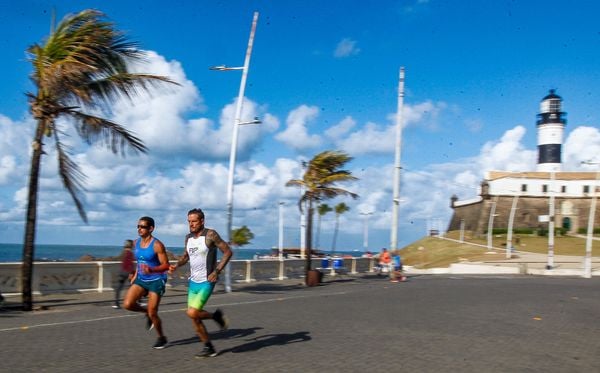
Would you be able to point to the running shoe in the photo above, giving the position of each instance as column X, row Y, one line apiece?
column 207, row 351
column 149, row 324
column 220, row 319
column 161, row 343
column 116, row 306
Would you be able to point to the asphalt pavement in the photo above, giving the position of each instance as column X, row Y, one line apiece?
column 440, row 323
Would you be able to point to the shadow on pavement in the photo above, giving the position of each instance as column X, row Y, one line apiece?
column 269, row 340
column 225, row 334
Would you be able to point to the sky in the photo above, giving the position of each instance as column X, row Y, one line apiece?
column 323, row 76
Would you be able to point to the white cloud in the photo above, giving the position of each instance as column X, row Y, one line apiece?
column 508, row 154
column 346, row 48
column 296, row 133
column 376, row 139
column 582, row 144
column 341, row 129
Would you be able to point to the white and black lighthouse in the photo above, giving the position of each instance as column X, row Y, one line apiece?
column 550, row 128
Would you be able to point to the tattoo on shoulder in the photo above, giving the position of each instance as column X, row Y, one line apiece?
column 213, row 237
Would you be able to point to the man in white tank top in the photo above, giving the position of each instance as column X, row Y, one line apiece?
column 201, row 251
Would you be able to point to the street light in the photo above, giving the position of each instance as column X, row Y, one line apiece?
column 281, row 230
column 237, row 122
column 491, row 223
column 397, row 164
column 366, row 230
column 551, row 212
column 587, row 263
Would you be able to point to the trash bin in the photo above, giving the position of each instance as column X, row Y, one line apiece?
column 313, row 277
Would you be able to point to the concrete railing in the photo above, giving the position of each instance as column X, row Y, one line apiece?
column 56, row 277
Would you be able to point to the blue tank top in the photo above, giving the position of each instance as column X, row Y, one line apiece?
column 147, row 256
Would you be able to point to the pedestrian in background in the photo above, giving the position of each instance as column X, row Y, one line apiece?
column 126, row 271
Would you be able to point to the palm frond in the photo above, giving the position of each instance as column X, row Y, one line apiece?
column 114, row 136
column 70, row 173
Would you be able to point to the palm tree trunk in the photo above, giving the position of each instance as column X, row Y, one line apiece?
column 317, row 245
column 30, row 223
column 335, row 233
column 309, row 224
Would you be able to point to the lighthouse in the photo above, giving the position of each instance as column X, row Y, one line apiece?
column 550, row 127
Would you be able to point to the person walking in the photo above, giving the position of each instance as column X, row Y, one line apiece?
column 149, row 278
column 201, row 246
column 126, row 271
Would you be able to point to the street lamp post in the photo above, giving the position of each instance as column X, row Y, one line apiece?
column 511, row 220
column 587, row 263
column 366, row 230
column 491, row 223
column 281, row 230
column 550, row 264
column 397, row 164
column 237, row 122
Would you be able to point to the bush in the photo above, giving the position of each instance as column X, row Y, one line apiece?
column 584, row 231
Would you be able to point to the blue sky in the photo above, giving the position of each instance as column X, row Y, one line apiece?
column 323, row 75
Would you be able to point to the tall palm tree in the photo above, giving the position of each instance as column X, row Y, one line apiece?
column 340, row 208
column 79, row 70
column 319, row 181
column 322, row 209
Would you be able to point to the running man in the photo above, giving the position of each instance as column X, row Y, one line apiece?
column 201, row 246
column 149, row 278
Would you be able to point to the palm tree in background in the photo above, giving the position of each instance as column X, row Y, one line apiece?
column 241, row 236
column 78, row 71
column 319, row 181
column 322, row 209
column 340, row 208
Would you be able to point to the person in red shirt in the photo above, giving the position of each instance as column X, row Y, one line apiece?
column 385, row 258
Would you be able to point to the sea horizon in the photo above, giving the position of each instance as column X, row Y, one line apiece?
column 11, row 252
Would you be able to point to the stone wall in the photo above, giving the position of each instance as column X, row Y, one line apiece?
column 570, row 213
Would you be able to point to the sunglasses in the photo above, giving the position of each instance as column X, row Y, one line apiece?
column 143, row 227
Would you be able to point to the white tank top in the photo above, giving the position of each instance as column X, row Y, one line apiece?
column 198, row 253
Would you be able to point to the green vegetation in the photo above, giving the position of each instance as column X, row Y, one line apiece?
column 432, row 252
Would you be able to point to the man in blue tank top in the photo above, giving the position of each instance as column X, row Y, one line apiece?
column 201, row 251
column 150, row 277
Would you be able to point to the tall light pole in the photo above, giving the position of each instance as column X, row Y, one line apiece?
column 366, row 230
column 237, row 122
column 281, row 230
column 587, row 263
column 511, row 219
column 550, row 264
column 491, row 223
column 397, row 164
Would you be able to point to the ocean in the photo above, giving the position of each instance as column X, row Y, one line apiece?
column 14, row 252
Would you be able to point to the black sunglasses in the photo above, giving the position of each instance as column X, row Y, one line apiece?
column 143, row 227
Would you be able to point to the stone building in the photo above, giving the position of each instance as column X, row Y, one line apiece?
column 532, row 199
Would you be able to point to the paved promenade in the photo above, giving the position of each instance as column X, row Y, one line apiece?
column 442, row 323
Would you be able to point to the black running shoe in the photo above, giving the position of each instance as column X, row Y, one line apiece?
column 220, row 319
column 149, row 325
column 161, row 343
column 207, row 351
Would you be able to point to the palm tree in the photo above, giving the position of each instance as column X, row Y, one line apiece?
column 319, row 179
column 241, row 236
column 340, row 208
column 80, row 69
column 322, row 209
